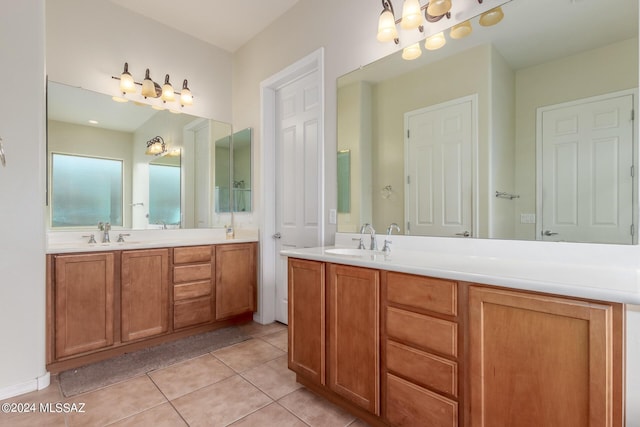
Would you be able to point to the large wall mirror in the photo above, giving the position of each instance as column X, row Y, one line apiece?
column 521, row 130
column 101, row 168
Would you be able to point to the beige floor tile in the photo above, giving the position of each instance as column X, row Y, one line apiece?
column 221, row 403
column 278, row 339
column 273, row 378
column 314, row 410
column 115, row 402
column 185, row 377
column 272, row 415
column 160, row 416
column 257, row 330
column 247, row 354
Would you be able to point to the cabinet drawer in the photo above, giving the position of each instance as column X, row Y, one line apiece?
column 192, row 254
column 192, row 312
column 192, row 290
column 408, row 404
column 423, row 331
column 191, row 273
column 424, row 293
column 424, row 368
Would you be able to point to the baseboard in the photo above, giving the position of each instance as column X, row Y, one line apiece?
column 26, row 387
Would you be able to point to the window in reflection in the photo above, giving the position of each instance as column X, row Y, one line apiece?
column 164, row 194
column 85, row 191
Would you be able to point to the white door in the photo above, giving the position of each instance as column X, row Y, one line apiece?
column 298, row 174
column 587, row 159
column 438, row 151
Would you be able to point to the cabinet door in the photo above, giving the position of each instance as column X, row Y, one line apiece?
column 236, row 277
column 353, row 347
column 306, row 307
column 541, row 361
column 84, row 288
column 145, row 293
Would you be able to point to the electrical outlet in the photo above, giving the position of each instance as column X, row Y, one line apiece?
column 332, row 216
column 527, row 218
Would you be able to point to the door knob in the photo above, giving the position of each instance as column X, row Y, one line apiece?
column 549, row 233
column 277, row 235
column 464, row 234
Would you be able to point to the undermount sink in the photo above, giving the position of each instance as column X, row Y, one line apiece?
column 351, row 252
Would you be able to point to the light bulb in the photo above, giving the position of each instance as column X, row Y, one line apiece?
column 387, row 26
column 411, row 52
column 411, row 15
column 438, row 7
column 167, row 90
column 491, row 17
column 127, row 85
column 435, row 41
column 148, row 86
column 461, row 30
column 185, row 94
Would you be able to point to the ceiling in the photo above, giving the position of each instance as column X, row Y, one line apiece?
column 227, row 24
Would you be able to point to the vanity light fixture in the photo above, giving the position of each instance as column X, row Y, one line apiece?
column 151, row 89
column 434, row 11
column 156, row 146
column 411, row 18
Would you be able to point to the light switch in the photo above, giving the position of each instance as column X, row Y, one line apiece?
column 332, row 216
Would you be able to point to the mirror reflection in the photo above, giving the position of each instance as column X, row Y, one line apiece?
column 242, row 171
column 487, row 136
column 168, row 188
column 164, row 190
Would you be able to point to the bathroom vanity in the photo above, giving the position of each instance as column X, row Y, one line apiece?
column 105, row 300
column 410, row 338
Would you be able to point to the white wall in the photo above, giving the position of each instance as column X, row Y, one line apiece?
column 88, row 41
column 22, row 193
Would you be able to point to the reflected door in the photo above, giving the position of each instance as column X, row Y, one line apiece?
column 587, row 182
column 438, row 164
column 297, row 175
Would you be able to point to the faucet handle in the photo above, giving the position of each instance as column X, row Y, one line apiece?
column 92, row 238
column 387, row 246
column 360, row 242
column 121, row 237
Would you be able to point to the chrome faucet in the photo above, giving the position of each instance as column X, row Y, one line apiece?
column 374, row 242
column 105, row 227
column 387, row 241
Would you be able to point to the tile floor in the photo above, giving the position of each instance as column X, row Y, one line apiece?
column 247, row 384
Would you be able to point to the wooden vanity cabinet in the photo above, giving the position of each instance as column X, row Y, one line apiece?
column 144, row 306
column 422, row 351
column 539, row 360
column 236, row 279
column 83, row 297
column 306, row 309
column 103, row 304
column 193, row 273
column 353, row 338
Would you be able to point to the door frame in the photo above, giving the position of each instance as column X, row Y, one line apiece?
column 475, row 193
column 266, row 260
column 634, row 142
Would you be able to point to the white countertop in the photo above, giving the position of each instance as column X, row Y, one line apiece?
column 77, row 241
column 568, row 277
